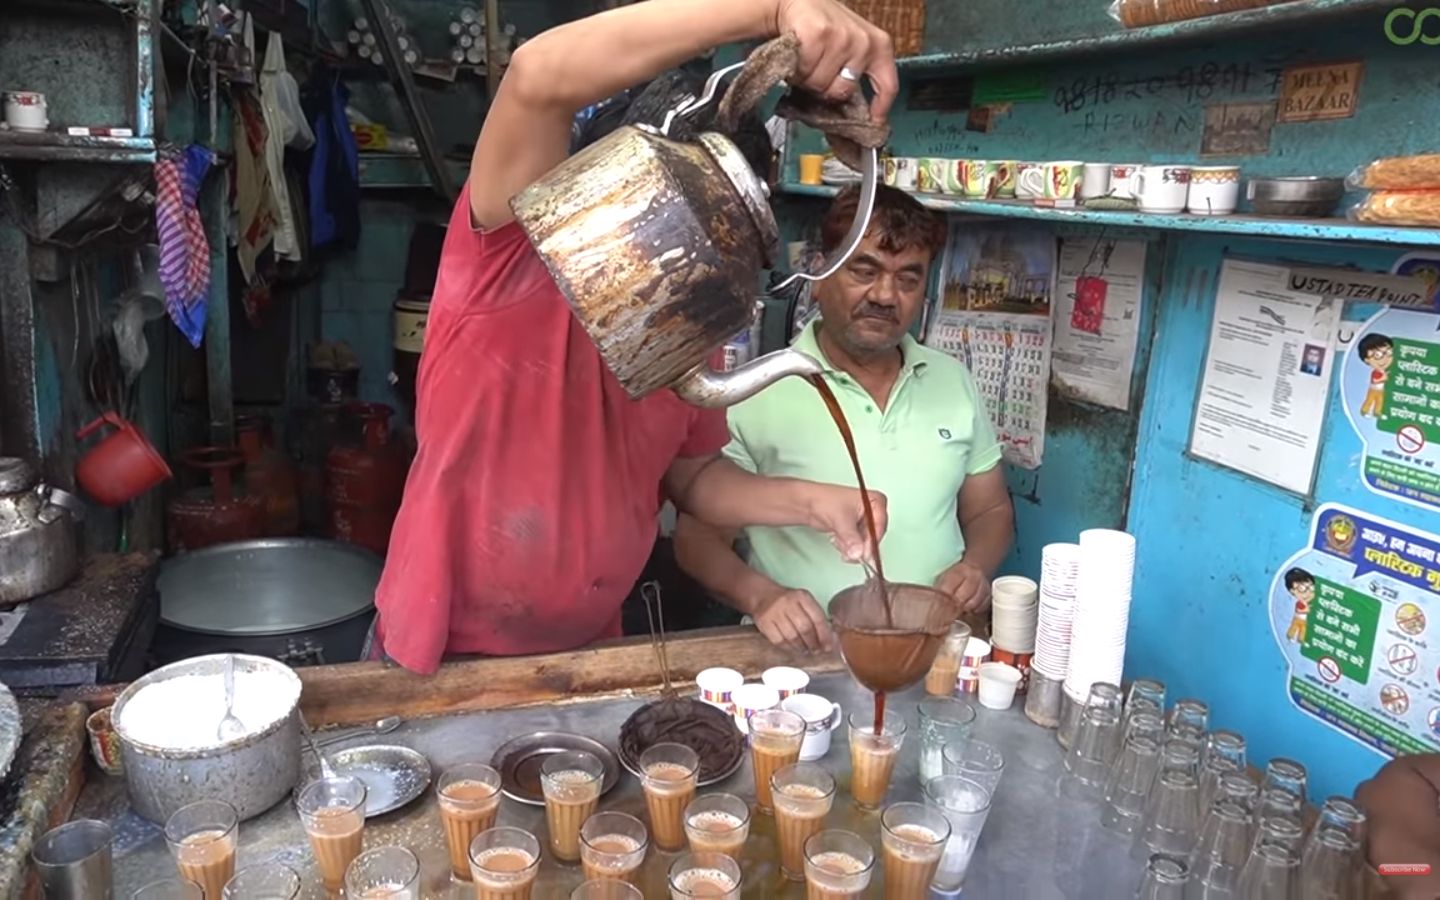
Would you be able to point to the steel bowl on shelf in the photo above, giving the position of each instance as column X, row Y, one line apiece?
column 1300, row 197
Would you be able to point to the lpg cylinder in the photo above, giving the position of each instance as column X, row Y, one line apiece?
column 219, row 513
column 364, row 482
column 270, row 474
column 411, row 312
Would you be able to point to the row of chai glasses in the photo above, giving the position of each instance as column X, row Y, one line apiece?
column 1204, row 827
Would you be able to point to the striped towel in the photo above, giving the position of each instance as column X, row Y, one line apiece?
column 184, row 252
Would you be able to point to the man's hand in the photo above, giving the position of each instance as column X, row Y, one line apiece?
column 967, row 584
column 792, row 619
column 840, row 513
column 833, row 38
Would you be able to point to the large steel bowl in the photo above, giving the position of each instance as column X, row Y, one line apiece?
column 251, row 773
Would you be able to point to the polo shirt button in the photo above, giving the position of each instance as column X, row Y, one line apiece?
column 869, row 409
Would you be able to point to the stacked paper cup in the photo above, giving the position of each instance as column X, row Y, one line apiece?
column 1102, row 611
column 1059, row 577
column 1014, row 600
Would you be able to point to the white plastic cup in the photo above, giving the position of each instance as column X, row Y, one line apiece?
column 786, row 679
column 750, row 699
column 998, row 682
column 717, row 685
column 1015, row 591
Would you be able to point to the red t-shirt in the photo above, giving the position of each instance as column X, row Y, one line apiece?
column 532, row 504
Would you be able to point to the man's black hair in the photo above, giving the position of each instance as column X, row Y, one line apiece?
column 1372, row 342
column 1296, row 576
column 650, row 104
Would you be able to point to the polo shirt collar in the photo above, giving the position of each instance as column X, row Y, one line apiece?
column 912, row 360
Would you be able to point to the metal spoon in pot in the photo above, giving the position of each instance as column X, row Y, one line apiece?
column 230, row 727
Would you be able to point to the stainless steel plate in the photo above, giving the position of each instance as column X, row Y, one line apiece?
column 518, row 762
column 267, row 587
column 393, row 775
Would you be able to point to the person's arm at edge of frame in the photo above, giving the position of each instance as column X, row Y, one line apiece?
column 987, row 522
column 786, row 617
column 556, row 74
column 1402, row 803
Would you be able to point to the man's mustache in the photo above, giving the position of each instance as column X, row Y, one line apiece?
column 875, row 311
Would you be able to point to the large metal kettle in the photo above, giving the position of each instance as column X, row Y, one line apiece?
column 658, row 244
column 38, row 537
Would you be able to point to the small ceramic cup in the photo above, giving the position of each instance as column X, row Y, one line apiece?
column 821, row 718
column 785, row 679
column 1214, row 190
column 717, row 686
column 750, row 699
column 104, row 741
column 1162, row 189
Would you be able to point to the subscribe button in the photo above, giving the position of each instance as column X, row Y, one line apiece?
column 1403, row 869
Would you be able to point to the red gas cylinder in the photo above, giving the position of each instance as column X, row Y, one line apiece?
column 364, row 483
column 219, row 513
column 270, row 474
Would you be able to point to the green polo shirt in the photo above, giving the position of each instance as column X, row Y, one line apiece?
column 931, row 436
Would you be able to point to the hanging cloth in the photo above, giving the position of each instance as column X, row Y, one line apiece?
column 184, row 251
column 254, row 197
column 334, row 165
column 277, row 126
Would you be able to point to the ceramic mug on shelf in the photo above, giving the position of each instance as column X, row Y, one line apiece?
column 1162, row 189
column 1054, row 183
column 26, row 111
column 954, row 184
column 906, row 171
column 1214, row 190
column 979, row 175
column 1095, row 182
column 931, row 176
column 1005, row 173
column 1028, row 188
column 1122, row 180
column 821, row 718
column 812, row 167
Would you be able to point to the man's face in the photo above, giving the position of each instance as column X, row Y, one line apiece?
column 870, row 304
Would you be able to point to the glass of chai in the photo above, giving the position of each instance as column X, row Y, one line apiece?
column 718, row 823
column 169, row 889
column 203, row 836
column 469, row 798
column 711, row 875
column 775, row 739
column 668, row 773
column 270, row 881
column 612, row 845
column 571, row 782
column 384, row 873
column 838, row 865
column 804, row 793
column 913, row 837
column 606, row 889
column 872, row 756
column 332, row 809
column 503, row 864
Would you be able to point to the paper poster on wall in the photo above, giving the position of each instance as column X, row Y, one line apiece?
column 1424, row 266
column 1097, row 319
column 1390, row 387
column 993, row 314
column 1267, row 376
column 1353, row 613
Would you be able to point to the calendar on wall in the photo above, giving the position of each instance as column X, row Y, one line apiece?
column 993, row 314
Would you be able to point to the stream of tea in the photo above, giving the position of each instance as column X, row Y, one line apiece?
column 836, row 413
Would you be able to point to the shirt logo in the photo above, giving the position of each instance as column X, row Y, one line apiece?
column 944, row 434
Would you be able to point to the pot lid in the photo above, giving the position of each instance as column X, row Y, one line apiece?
column 16, row 475
column 267, row 587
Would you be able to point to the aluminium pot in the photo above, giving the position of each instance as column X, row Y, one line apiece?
column 251, row 773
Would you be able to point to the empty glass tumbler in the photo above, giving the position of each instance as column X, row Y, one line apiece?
column 1221, row 852
column 1130, row 784
column 1165, row 878
column 1172, row 809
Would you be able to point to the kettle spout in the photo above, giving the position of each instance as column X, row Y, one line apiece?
column 704, row 387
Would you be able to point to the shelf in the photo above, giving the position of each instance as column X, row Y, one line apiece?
column 1273, row 227
column 380, row 170
column 1294, row 13
column 52, row 146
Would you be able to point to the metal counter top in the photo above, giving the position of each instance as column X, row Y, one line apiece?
column 1035, row 844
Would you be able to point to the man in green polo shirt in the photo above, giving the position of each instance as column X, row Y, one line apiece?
column 920, row 428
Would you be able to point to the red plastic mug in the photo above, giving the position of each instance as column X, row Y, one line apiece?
column 122, row 466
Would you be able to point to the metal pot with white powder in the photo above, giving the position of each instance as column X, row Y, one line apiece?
column 168, row 720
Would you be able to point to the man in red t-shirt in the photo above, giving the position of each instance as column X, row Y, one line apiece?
column 532, row 503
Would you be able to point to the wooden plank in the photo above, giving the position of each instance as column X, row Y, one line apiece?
column 355, row 693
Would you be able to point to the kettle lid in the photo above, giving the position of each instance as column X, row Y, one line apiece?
column 751, row 189
column 16, row 475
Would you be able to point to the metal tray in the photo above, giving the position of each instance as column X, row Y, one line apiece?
column 518, row 762
column 393, row 775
